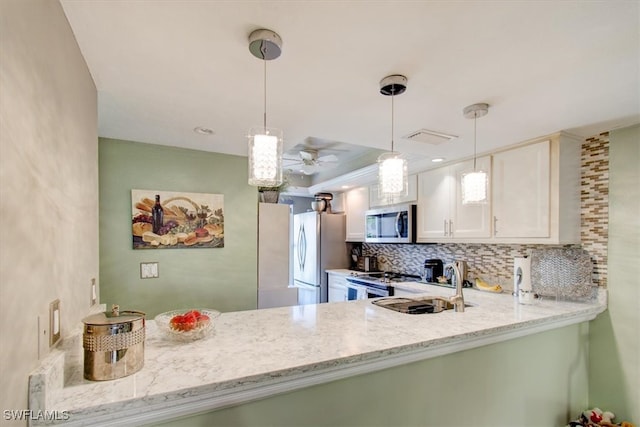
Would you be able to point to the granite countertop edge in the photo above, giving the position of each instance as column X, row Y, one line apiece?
column 113, row 403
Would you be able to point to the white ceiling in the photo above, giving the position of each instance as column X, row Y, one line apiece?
column 165, row 67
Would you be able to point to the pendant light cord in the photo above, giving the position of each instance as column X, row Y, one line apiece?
column 392, row 95
column 475, row 119
column 265, row 96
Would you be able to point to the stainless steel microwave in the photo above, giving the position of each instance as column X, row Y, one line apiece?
column 391, row 224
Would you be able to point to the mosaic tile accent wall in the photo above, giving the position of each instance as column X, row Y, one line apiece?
column 494, row 263
column 594, row 195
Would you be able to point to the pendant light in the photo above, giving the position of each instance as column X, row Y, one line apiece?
column 392, row 166
column 474, row 184
column 265, row 144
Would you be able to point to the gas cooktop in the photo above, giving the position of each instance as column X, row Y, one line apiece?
column 389, row 276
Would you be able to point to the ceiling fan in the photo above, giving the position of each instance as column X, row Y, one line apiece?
column 308, row 162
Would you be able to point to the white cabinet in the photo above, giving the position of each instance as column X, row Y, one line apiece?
column 441, row 215
column 356, row 204
column 337, row 287
column 412, row 194
column 521, row 191
column 536, row 192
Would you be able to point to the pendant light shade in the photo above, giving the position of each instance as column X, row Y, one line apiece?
column 474, row 184
column 265, row 157
column 392, row 166
column 265, row 144
column 392, row 175
column 474, row 187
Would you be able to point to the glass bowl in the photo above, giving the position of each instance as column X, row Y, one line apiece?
column 187, row 325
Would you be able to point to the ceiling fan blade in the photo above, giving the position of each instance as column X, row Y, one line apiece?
column 291, row 163
column 309, row 169
column 330, row 158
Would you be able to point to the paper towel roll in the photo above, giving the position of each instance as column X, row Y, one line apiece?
column 521, row 274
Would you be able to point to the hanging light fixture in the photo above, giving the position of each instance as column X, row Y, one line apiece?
column 265, row 144
column 392, row 166
column 474, row 184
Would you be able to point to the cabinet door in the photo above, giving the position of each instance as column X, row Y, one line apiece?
column 357, row 203
column 434, row 187
column 473, row 220
column 412, row 194
column 521, row 191
column 337, row 288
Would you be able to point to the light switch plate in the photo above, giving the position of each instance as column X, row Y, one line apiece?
column 54, row 322
column 93, row 298
column 149, row 270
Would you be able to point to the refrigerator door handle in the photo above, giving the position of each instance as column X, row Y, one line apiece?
column 302, row 247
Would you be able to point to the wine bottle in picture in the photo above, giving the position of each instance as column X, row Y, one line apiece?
column 158, row 215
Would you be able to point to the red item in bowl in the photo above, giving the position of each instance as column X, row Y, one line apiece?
column 188, row 321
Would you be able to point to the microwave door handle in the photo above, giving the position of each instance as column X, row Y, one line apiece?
column 398, row 224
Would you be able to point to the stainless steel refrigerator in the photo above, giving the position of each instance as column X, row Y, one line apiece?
column 318, row 245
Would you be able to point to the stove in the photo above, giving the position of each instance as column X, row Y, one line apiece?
column 390, row 276
column 380, row 284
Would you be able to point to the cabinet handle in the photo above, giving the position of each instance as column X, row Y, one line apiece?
column 495, row 227
column 451, row 228
column 445, row 228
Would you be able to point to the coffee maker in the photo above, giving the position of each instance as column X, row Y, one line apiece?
column 433, row 268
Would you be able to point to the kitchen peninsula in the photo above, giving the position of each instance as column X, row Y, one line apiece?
column 262, row 353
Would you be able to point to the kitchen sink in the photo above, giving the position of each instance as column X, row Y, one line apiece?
column 419, row 305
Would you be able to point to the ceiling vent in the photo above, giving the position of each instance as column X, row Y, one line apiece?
column 429, row 137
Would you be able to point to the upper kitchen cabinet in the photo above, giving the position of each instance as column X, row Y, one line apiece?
column 412, row 195
column 536, row 192
column 356, row 204
column 441, row 215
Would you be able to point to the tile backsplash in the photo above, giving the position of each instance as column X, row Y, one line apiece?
column 495, row 262
column 594, row 201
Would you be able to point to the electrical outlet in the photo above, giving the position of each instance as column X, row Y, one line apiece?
column 54, row 322
column 149, row 270
column 93, row 299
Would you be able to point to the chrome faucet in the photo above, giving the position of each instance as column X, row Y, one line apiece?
column 458, row 299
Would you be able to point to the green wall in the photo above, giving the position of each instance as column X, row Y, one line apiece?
column 221, row 278
column 535, row 381
column 614, row 380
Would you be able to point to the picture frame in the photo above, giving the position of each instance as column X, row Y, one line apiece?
column 176, row 220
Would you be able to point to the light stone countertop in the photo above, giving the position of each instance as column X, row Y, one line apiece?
column 257, row 353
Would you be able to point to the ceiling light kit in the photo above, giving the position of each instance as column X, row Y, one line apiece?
column 308, row 162
column 392, row 166
column 265, row 144
column 474, row 184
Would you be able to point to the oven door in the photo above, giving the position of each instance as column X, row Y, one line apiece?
column 356, row 292
column 377, row 293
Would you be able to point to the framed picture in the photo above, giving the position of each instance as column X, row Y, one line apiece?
column 175, row 220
